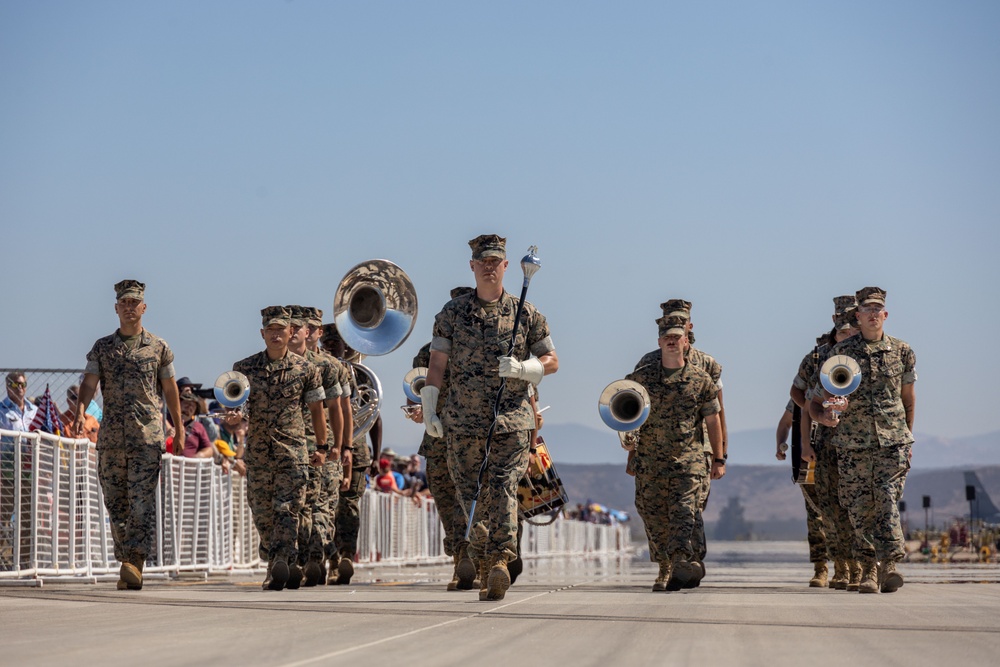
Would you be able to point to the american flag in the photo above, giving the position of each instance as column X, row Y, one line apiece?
column 47, row 418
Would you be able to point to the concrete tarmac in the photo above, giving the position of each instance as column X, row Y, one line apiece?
column 559, row 613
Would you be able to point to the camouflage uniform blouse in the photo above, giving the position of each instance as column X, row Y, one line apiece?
column 678, row 404
column 130, row 385
column 875, row 416
column 330, row 377
column 473, row 337
column 698, row 359
column 279, row 391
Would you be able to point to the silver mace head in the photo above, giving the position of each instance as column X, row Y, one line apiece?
column 530, row 264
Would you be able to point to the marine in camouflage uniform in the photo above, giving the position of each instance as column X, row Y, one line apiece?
column 131, row 366
column 669, row 458
column 471, row 338
column 836, row 523
column 874, row 438
column 348, row 512
column 316, row 522
column 442, row 487
column 276, row 456
column 706, row 362
column 821, row 530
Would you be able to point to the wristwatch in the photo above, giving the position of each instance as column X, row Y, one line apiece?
column 323, row 448
column 722, row 461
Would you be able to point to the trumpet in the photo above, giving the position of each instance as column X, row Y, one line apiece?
column 624, row 407
column 232, row 389
column 840, row 375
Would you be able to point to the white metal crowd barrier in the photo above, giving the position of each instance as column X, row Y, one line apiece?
column 53, row 522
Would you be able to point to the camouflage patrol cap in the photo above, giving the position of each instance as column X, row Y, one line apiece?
column 314, row 317
column 870, row 295
column 275, row 315
column 459, row 291
column 842, row 303
column 673, row 325
column 488, row 245
column 676, row 308
column 845, row 320
column 130, row 289
column 297, row 315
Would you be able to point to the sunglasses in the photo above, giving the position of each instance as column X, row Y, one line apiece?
column 13, row 384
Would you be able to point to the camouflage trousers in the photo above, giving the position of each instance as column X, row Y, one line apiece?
column 698, row 541
column 667, row 497
column 318, row 516
column 495, row 529
column 836, row 522
column 348, row 523
column 128, row 480
column 453, row 519
column 815, row 525
column 871, row 483
column 276, row 495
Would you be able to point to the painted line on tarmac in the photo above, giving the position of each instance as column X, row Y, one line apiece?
column 384, row 640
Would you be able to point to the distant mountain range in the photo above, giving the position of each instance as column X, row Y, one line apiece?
column 771, row 502
column 591, row 464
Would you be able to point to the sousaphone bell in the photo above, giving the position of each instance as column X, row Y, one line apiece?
column 840, row 375
column 624, row 406
column 232, row 389
column 375, row 309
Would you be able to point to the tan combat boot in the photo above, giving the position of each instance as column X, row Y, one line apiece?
column 333, row 574
column 869, row 578
column 453, row 584
column 498, row 580
column 483, row 576
column 854, row 580
column 697, row 574
column 841, row 575
column 663, row 577
column 345, row 570
column 890, row 580
column 130, row 576
column 314, row 573
column 465, row 569
column 819, row 579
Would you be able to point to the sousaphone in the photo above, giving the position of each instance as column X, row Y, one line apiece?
column 375, row 309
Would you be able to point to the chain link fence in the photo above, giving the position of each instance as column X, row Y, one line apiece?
column 58, row 380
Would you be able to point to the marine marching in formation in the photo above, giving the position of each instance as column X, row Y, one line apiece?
column 306, row 463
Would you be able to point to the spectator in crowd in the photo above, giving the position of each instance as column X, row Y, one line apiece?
column 415, row 478
column 16, row 412
column 193, row 390
column 233, row 432
column 385, row 481
column 197, row 443
column 90, row 425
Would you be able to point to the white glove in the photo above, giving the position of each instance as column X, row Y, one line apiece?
column 428, row 402
column 530, row 369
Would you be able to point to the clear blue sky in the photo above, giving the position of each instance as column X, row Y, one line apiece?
column 755, row 158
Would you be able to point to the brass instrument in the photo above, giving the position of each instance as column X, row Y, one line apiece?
column 375, row 309
column 232, row 389
column 413, row 382
column 624, row 406
column 840, row 375
column 366, row 399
